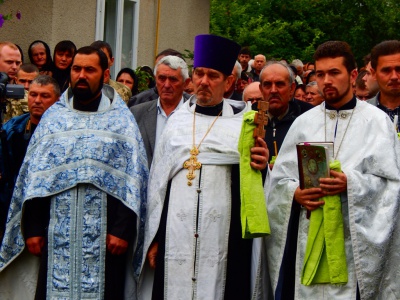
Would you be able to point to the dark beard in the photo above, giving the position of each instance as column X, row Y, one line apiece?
column 85, row 96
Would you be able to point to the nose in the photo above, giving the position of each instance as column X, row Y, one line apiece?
column 273, row 88
column 394, row 75
column 26, row 85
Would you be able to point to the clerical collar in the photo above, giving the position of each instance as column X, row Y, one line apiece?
column 349, row 105
column 90, row 107
column 210, row 110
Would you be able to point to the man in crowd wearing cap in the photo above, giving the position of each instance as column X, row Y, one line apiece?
column 193, row 230
column 348, row 248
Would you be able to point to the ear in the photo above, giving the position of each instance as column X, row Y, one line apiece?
column 228, row 82
column 353, row 76
column 186, row 82
column 107, row 75
column 373, row 73
column 112, row 61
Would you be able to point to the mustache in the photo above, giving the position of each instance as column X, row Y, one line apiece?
column 82, row 81
column 203, row 90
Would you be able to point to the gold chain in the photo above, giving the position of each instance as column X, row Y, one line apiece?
column 192, row 163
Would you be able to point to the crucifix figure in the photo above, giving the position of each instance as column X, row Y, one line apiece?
column 261, row 119
column 192, row 164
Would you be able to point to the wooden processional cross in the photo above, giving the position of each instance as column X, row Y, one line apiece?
column 261, row 119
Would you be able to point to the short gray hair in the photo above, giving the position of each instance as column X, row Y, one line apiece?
column 297, row 63
column 238, row 72
column 174, row 62
column 314, row 83
column 275, row 62
column 47, row 80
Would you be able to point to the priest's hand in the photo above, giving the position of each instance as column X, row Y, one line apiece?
column 259, row 155
column 35, row 245
column 115, row 245
column 152, row 254
column 335, row 185
column 309, row 197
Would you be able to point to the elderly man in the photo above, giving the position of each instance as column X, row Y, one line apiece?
column 355, row 251
column 277, row 84
column 10, row 61
column 26, row 74
column 313, row 94
column 81, row 191
column 259, row 63
column 252, row 93
column 172, row 77
column 193, row 229
column 385, row 63
column 44, row 92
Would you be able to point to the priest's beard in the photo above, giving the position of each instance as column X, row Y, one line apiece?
column 86, row 95
column 337, row 96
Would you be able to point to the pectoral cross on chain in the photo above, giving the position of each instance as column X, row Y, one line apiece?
column 192, row 164
column 261, row 119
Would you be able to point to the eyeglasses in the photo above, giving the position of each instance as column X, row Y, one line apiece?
column 254, row 99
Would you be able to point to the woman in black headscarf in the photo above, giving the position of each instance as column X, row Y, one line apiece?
column 39, row 55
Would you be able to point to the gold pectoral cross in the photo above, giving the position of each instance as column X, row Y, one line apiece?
column 192, row 164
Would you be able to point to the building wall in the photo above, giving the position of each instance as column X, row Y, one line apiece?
column 55, row 20
column 49, row 20
column 179, row 22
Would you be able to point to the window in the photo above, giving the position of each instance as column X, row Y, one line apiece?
column 117, row 23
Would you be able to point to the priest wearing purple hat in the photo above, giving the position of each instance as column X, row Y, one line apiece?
column 193, row 234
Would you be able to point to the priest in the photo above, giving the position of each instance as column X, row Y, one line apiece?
column 361, row 262
column 193, row 231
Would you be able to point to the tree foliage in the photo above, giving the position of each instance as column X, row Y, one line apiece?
column 288, row 29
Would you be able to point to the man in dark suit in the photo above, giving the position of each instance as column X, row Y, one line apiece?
column 171, row 79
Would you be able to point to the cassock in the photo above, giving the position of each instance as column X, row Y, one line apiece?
column 368, row 149
column 201, row 252
column 77, row 159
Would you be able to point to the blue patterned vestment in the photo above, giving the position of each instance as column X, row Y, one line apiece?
column 78, row 158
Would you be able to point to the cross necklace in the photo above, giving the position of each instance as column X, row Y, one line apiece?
column 192, row 163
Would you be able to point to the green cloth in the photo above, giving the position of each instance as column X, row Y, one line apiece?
column 325, row 258
column 253, row 209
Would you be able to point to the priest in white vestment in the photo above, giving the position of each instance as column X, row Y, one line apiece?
column 368, row 187
column 194, row 214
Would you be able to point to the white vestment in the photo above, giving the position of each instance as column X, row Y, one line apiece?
column 195, row 268
column 369, row 155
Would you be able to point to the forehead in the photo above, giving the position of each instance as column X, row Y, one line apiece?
column 126, row 76
column 23, row 74
column 38, row 47
column 208, row 71
column 86, row 60
column 328, row 63
column 164, row 69
column 275, row 72
column 312, row 88
column 389, row 60
column 41, row 88
column 253, row 89
column 66, row 52
column 7, row 51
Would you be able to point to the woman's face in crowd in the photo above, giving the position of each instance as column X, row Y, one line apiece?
column 39, row 55
column 126, row 79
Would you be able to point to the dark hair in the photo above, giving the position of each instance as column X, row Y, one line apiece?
column 170, row 51
column 100, row 45
column 309, row 76
column 48, row 66
column 29, row 68
column 359, row 80
column 300, row 87
column 87, row 50
column 21, row 52
column 245, row 50
column 367, row 59
column 47, row 80
column 134, row 77
column 65, row 46
column 382, row 49
column 333, row 49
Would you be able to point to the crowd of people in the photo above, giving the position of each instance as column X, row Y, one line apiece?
column 108, row 193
